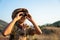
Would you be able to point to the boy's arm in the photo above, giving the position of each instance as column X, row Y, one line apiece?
column 38, row 30
column 10, row 26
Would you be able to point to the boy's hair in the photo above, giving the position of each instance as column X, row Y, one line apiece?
column 16, row 11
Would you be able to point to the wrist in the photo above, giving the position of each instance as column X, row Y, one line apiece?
column 33, row 22
column 14, row 19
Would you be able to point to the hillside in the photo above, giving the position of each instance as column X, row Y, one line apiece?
column 49, row 32
column 3, row 24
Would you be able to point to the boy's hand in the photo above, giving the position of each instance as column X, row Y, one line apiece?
column 18, row 16
column 29, row 17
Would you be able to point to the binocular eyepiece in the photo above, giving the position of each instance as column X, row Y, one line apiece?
column 24, row 14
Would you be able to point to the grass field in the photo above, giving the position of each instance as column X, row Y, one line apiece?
column 49, row 33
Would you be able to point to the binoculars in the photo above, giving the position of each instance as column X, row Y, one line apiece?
column 24, row 14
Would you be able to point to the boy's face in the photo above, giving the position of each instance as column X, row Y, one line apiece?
column 22, row 19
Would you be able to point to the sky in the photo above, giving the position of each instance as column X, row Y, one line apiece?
column 42, row 11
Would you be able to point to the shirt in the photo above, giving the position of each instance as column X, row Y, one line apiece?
column 18, row 33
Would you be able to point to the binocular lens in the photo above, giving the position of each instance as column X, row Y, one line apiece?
column 23, row 15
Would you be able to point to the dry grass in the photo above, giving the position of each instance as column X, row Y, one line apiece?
column 49, row 33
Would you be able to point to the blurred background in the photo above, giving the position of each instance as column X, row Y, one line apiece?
column 45, row 12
